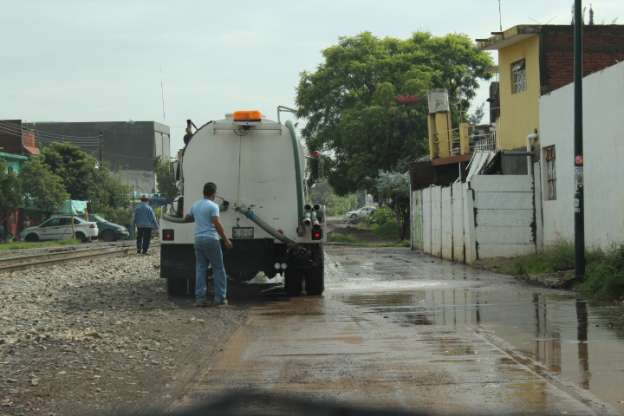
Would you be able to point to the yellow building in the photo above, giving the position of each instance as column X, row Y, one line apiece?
column 519, row 84
column 534, row 60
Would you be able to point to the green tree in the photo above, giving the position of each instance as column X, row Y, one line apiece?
column 10, row 195
column 350, row 106
column 393, row 190
column 77, row 168
column 42, row 189
column 165, row 178
column 85, row 179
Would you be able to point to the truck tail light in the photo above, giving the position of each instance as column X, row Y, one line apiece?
column 168, row 235
column 317, row 232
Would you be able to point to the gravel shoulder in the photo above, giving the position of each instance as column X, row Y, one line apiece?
column 101, row 335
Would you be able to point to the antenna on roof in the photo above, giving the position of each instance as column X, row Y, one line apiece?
column 591, row 15
column 500, row 16
column 162, row 94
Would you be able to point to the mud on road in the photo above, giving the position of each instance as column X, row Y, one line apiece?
column 398, row 329
column 100, row 335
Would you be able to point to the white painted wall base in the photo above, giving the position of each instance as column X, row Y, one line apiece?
column 492, row 216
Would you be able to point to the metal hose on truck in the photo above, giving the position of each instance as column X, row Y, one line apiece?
column 251, row 216
column 248, row 213
column 297, row 252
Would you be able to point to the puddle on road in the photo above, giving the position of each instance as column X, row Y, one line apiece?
column 576, row 341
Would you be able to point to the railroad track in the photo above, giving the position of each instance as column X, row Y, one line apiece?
column 61, row 255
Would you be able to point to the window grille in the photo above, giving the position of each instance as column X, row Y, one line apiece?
column 518, row 76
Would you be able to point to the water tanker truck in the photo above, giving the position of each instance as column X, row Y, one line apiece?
column 259, row 167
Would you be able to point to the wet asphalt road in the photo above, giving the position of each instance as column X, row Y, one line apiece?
column 399, row 329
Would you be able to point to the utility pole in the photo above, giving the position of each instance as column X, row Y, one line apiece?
column 579, row 209
column 500, row 16
column 100, row 147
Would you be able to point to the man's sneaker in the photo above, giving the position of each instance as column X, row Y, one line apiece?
column 201, row 303
column 218, row 303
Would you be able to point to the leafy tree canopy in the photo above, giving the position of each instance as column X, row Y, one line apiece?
column 84, row 178
column 393, row 190
column 165, row 178
column 43, row 190
column 10, row 196
column 77, row 168
column 350, row 106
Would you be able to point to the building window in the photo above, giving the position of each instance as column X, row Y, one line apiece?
column 551, row 173
column 518, row 76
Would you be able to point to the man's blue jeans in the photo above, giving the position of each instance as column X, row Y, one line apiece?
column 208, row 251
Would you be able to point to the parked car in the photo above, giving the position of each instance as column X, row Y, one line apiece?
column 59, row 227
column 109, row 231
column 359, row 214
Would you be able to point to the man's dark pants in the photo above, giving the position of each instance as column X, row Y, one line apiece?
column 144, row 235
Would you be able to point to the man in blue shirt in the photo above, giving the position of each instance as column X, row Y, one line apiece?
column 208, row 229
column 145, row 220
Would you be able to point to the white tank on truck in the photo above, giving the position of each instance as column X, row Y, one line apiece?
column 258, row 166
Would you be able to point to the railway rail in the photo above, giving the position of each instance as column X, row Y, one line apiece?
column 62, row 255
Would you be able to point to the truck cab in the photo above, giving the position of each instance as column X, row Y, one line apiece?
column 258, row 166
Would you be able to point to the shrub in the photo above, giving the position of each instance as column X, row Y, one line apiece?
column 604, row 277
column 342, row 238
column 381, row 216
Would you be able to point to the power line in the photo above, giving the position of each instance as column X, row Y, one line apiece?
column 44, row 132
column 46, row 139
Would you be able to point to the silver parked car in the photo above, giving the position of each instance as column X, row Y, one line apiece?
column 59, row 227
column 359, row 214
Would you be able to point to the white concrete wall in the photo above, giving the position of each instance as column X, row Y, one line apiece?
column 603, row 155
column 490, row 217
column 503, row 206
column 427, row 220
column 458, row 222
column 416, row 220
column 436, row 221
column 447, row 223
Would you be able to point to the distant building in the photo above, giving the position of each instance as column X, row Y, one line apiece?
column 16, row 140
column 14, row 162
column 536, row 59
column 16, row 146
column 129, row 149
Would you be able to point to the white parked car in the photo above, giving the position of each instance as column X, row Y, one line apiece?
column 59, row 227
column 359, row 214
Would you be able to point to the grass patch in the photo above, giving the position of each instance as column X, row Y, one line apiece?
column 385, row 231
column 24, row 245
column 604, row 274
column 554, row 259
column 342, row 238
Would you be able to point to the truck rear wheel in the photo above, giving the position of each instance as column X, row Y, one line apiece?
column 315, row 277
column 293, row 283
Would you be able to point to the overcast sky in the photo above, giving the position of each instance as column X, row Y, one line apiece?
column 103, row 60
